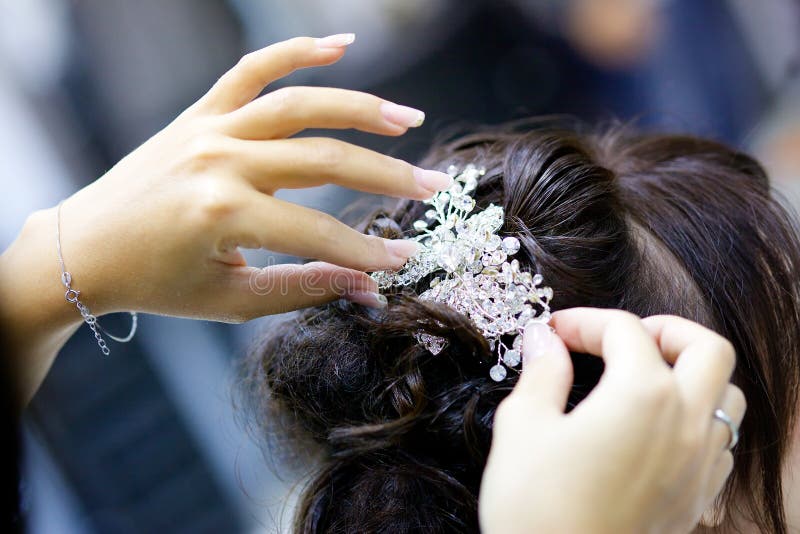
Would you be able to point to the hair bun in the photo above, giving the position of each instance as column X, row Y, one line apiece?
column 371, row 493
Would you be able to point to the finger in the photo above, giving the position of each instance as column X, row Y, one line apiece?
column 720, row 472
column 616, row 335
column 287, row 228
column 734, row 405
column 674, row 334
column 703, row 360
column 253, row 292
column 547, row 374
column 256, row 70
column 289, row 110
column 308, row 162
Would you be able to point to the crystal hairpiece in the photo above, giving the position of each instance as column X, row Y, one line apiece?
column 476, row 280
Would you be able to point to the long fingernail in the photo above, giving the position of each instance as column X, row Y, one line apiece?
column 402, row 115
column 400, row 249
column 432, row 180
column 537, row 342
column 340, row 40
column 366, row 298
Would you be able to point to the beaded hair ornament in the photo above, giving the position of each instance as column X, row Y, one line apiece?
column 476, row 277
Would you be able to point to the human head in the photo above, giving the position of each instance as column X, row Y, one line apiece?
column 653, row 224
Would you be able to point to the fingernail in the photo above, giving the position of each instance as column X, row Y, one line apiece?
column 366, row 298
column 537, row 341
column 402, row 115
column 400, row 249
column 432, row 180
column 339, row 40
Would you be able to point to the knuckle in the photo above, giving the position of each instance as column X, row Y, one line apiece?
column 204, row 150
column 625, row 319
column 725, row 350
column 283, row 100
column 622, row 323
column 214, row 201
column 248, row 63
column 326, row 227
column 328, row 154
column 375, row 247
column 294, row 49
column 737, row 400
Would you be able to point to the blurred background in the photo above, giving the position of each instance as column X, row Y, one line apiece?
column 146, row 440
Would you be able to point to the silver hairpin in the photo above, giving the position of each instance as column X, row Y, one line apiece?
column 477, row 280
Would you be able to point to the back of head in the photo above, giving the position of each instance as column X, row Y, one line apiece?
column 648, row 223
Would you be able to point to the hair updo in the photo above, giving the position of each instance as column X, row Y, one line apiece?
column 652, row 224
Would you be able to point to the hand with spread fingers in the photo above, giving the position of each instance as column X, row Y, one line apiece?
column 648, row 450
column 160, row 231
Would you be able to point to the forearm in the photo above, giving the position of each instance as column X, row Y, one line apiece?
column 34, row 316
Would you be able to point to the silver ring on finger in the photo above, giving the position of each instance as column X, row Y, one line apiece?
column 720, row 415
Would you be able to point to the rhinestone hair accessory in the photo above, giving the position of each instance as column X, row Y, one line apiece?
column 476, row 277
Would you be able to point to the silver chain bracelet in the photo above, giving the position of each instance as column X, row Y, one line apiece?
column 72, row 296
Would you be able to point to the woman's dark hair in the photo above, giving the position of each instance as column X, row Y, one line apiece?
column 653, row 224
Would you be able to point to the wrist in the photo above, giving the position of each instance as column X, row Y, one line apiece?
column 35, row 317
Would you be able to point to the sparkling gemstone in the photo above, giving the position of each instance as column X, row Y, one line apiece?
column 506, row 324
column 449, row 258
column 465, row 203
column 470, row 183
column 511, row 245
column 479, row 282
column 525, row 316
column 493, row 242
column 512, row 358
column 498, row 373
column 433, row 343
column 498, row 257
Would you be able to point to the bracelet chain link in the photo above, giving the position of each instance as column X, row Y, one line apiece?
column 73, row 297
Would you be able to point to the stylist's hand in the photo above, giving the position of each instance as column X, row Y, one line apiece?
column 641, row 453
column 159, row 232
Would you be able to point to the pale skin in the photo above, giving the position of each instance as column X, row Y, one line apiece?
column 161, row 232
column 649, row 443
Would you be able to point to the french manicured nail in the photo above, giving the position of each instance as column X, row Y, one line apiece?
column 402, row 115
column 400, row 249
column 366, row 298
column 432, row 180
column 538, row 340
column 340, row 40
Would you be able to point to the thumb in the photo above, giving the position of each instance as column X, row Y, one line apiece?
column 547, row 368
